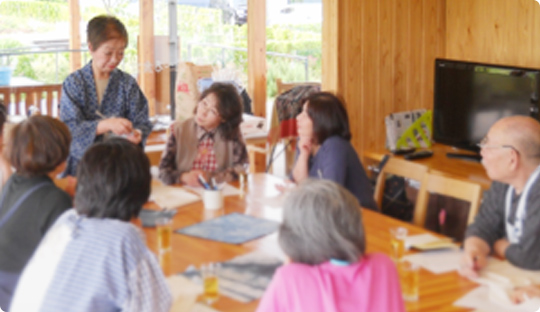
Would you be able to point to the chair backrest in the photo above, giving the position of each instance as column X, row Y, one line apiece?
column 285, row 86
column 19, row 99
column 443, row 185
column 399, row 167
column 283, row 123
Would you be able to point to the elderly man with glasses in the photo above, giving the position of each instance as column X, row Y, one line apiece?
column 508, row 224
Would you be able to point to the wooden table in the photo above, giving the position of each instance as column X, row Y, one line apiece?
column 440, row 164
column 437, row 292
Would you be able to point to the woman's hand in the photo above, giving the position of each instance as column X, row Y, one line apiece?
column 304, row 145
column 191, row 178
column 287, row 185
column 135, row 136
column 300, row 170
column 119, row 126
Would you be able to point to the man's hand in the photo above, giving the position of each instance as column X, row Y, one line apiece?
column 520, row 294
column 474, row 258
column 500, row 247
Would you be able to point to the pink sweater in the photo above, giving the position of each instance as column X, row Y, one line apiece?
column 371, row 285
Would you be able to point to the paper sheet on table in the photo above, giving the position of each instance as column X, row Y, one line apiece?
column 268, row 201
column 437, row 262
column 498, row 279
column 506, row 272
column 481, row 300
column 226, row 189
column 425, row 240
column 184, row 293
column 199, row 307
column 169, row 197
column 202, row 308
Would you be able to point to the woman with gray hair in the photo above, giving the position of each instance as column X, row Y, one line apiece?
column 323, row 235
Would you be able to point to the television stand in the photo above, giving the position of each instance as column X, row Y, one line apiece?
column 471, row 157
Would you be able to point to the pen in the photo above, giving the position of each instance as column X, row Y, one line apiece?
column 214, row 183
column 203, row 182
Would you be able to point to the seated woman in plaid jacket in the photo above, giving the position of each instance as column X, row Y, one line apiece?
column 210, row 143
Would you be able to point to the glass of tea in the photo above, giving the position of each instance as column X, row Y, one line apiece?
column 210, row 281
column 397, row 241
column 164, row 233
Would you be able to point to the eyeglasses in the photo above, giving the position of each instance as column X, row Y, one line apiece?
column 484, row 145
column 205, row 107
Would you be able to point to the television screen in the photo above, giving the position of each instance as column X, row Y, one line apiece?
column 470, row 97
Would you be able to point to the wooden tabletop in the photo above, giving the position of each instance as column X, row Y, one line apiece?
column 261, row 199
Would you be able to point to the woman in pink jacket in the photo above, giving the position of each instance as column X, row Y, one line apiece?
column 323, row 235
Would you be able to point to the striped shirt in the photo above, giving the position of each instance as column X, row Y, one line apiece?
column 90, row 264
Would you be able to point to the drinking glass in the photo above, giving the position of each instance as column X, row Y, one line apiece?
column 164, row 233
column 397, row 241
column 243, row 171
column 210, row 281
column 409, row 276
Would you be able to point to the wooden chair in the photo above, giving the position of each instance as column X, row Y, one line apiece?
column 289, row 143
column 253, row 151
column 443, row 185
column 286, row 86
column 19, row 99
column 399, row 167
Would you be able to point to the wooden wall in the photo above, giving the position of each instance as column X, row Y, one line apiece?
column 494, row 31
column 385, row 51
column 385, row 55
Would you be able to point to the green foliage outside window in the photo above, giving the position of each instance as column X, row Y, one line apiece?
column 196, row 26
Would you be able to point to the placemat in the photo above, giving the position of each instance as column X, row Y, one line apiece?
column 234, row 228
column 243, row 278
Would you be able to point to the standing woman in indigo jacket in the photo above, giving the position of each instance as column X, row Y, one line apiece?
column 325, row 150
column 101, row 99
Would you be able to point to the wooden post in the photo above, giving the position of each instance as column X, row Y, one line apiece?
column 257, row 55
column 146, row 53
column 330, row 47
column 74, row 35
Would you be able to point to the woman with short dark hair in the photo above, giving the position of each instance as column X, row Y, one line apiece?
column 210, row 143
column 100, row 99
column 93, row 258
column 325, row 151
column 323, row 236
column 30, row 202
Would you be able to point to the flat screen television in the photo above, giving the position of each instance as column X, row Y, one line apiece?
column 470, row 97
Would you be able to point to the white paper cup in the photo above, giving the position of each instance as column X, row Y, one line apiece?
column 212, row 199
